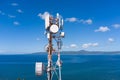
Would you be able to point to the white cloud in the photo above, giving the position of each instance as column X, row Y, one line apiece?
column 19, row 11
column 16, row 23
column 42, row 16
column 111, row 40
column 38, row 39
column 14, row 4
column 73, row 46
column 72, row 19
column 2, row 13
column 95, row 44
column 88, row 21
column 67, row 47
column 87, row 45
column 11, row 16
column 102, row 29
column 116, row 25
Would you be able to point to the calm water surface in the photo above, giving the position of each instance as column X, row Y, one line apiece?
column 75, row 67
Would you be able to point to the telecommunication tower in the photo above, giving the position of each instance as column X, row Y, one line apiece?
column 53, row 27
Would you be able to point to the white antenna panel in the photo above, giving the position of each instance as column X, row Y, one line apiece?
column 59, row 22
column 48, row 35
column 47, row 23
column 62, row 22
column 58, row 15
column 62, row 34
column 39, row 68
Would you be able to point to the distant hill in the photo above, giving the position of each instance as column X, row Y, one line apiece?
column 92, row 52
column 84, row 52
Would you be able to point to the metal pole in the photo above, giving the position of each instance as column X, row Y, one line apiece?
column 59, row 60
column 59, row 65
column 49, row 67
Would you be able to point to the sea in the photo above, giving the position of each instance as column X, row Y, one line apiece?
column 74, row 66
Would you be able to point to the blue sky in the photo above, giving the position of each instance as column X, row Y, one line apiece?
column 88, row 24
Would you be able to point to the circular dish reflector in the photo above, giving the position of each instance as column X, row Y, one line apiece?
column 54, row 28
